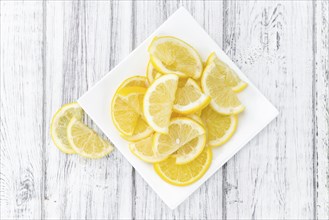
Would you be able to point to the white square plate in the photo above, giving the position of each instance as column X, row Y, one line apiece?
column 259, row 111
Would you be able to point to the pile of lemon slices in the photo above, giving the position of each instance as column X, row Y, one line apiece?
column 174, row 115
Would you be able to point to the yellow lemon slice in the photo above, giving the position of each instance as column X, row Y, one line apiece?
column 191, row 150
column 223, row 99
column 220, row 128
column 189, row 97
column 152, row 73
column 186, row 174
column 231, row 78
column 171, row 55
column 59, row 125
column 158, row 102
column 127, row 111
column 144, row 151
column 86, row 142
column 184, row 135
column 141, row 130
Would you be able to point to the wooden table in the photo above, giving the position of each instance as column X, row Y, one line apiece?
column 53, row 52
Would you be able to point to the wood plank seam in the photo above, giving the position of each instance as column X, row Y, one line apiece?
column 45, row 131
column 321, row 108
column 314, row 111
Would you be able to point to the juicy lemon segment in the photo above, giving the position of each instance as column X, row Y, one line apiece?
column 223, row 99
column 134, row 81
column 152, row 73
column 158, row 102
column 59, row 124
column 220, row 128
column 186, row 174
column 172, row 55
column 191, row 150
column 231, row 78
column 181, row 131
column 126, row 109
column 141, row 130
column 85, row 141
column 189, row 97
column 144, row 151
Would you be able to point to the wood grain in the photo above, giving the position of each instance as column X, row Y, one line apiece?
column 321, row 108
column 52, row 52
column 84, row 41
column 21, row 121
column 272, row 177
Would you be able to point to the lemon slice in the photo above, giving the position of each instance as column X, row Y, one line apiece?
column 186, row 174
column 85, row 141
column 189, row 97
column 126, row 109
column 181, row 131
column 231, row 78
column 191, row 150
column 59, row 124
column 220, row 128
column 172, row 55
column 141, row 130
column 144, row 151
column 134, row 81
column 152, row 73
column 158, row 102
column 223, row 99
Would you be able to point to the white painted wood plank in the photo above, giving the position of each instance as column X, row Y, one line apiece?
column 207, row 201
column 272, row 177
column 84, row 41
column 321, row 62
column 21, row 122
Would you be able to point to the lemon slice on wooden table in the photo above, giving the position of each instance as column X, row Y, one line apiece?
column 189, row 97
column 185, row 174
column 152, row 73
column 172, row 55
column 223, row 99
column 59, row 124
column 144, row 151
column 183, row 133
column 231, row 78
column 85, row 141
column 220, row 128
column 127, row 113
column 158, row 102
